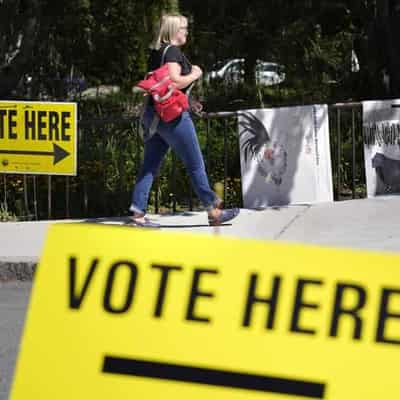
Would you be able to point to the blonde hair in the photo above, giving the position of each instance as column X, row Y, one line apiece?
column 169, row 27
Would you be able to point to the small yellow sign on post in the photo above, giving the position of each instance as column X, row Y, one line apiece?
column 38, row 138
column 122, row 313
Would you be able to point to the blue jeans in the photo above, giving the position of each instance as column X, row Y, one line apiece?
column 181, row 136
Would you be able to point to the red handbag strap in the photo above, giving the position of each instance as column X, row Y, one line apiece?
column 160, row 83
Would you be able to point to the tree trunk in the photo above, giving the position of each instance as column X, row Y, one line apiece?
column 173, row 5
column 382, row 8
column 18, row 35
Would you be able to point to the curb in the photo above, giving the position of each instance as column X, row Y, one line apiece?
column 17, row 270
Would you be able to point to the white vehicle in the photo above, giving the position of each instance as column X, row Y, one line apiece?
column 232, row 71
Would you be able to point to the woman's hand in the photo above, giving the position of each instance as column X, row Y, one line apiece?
column 196, row 71
column 196, row 106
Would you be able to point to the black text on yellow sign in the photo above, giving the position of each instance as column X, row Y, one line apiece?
column 152, row 315
column 38, row 138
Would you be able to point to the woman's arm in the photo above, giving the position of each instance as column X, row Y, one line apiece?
column 183, row 81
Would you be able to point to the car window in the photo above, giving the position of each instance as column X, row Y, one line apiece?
column 269, row 67
column 235, row 67
column 218, row 65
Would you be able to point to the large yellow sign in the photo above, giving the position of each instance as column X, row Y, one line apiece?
column 122, row 313
column 38, row 138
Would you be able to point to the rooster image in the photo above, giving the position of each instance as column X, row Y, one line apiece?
column 387, row 169
column 256, row 144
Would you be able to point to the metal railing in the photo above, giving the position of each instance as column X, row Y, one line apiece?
column 110, row 153
column 347, row 151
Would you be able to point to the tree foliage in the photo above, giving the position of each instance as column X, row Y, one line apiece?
column 52, row 42
column 314, row 40
column 46, row 45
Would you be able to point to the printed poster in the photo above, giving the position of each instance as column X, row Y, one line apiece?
column 285, row 156
column 381, row 130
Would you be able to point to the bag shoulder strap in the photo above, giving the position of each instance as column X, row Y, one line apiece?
column 164, row 54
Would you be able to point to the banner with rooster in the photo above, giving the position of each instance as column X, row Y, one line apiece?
column 285, row 156
column 381, row 133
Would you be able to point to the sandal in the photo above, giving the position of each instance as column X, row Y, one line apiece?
column 225, row 216
column 220, row 205
column 143, row 224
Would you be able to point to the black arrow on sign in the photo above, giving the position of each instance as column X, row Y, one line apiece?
column 213, row 377
column 58, row 153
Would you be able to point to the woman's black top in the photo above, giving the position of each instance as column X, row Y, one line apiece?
column 173, row 54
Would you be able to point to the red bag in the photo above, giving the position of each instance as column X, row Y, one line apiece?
column 169, row 101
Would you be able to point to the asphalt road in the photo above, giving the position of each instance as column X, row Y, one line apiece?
column 14, row 297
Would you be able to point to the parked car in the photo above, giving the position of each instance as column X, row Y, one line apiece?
column 232, row 71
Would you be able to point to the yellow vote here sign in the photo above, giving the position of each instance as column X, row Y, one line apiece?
column 122, row 313
column 38, row 138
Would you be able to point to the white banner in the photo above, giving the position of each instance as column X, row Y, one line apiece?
column 285, row 156
column 381, row 129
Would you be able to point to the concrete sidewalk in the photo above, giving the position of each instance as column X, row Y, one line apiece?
column 371, row 224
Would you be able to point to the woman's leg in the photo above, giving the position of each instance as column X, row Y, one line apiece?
column 155, row 150
column 182, row 138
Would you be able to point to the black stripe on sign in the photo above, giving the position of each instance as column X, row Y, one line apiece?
column 214, row 377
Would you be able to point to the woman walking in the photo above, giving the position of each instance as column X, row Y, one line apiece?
column 179, row 134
